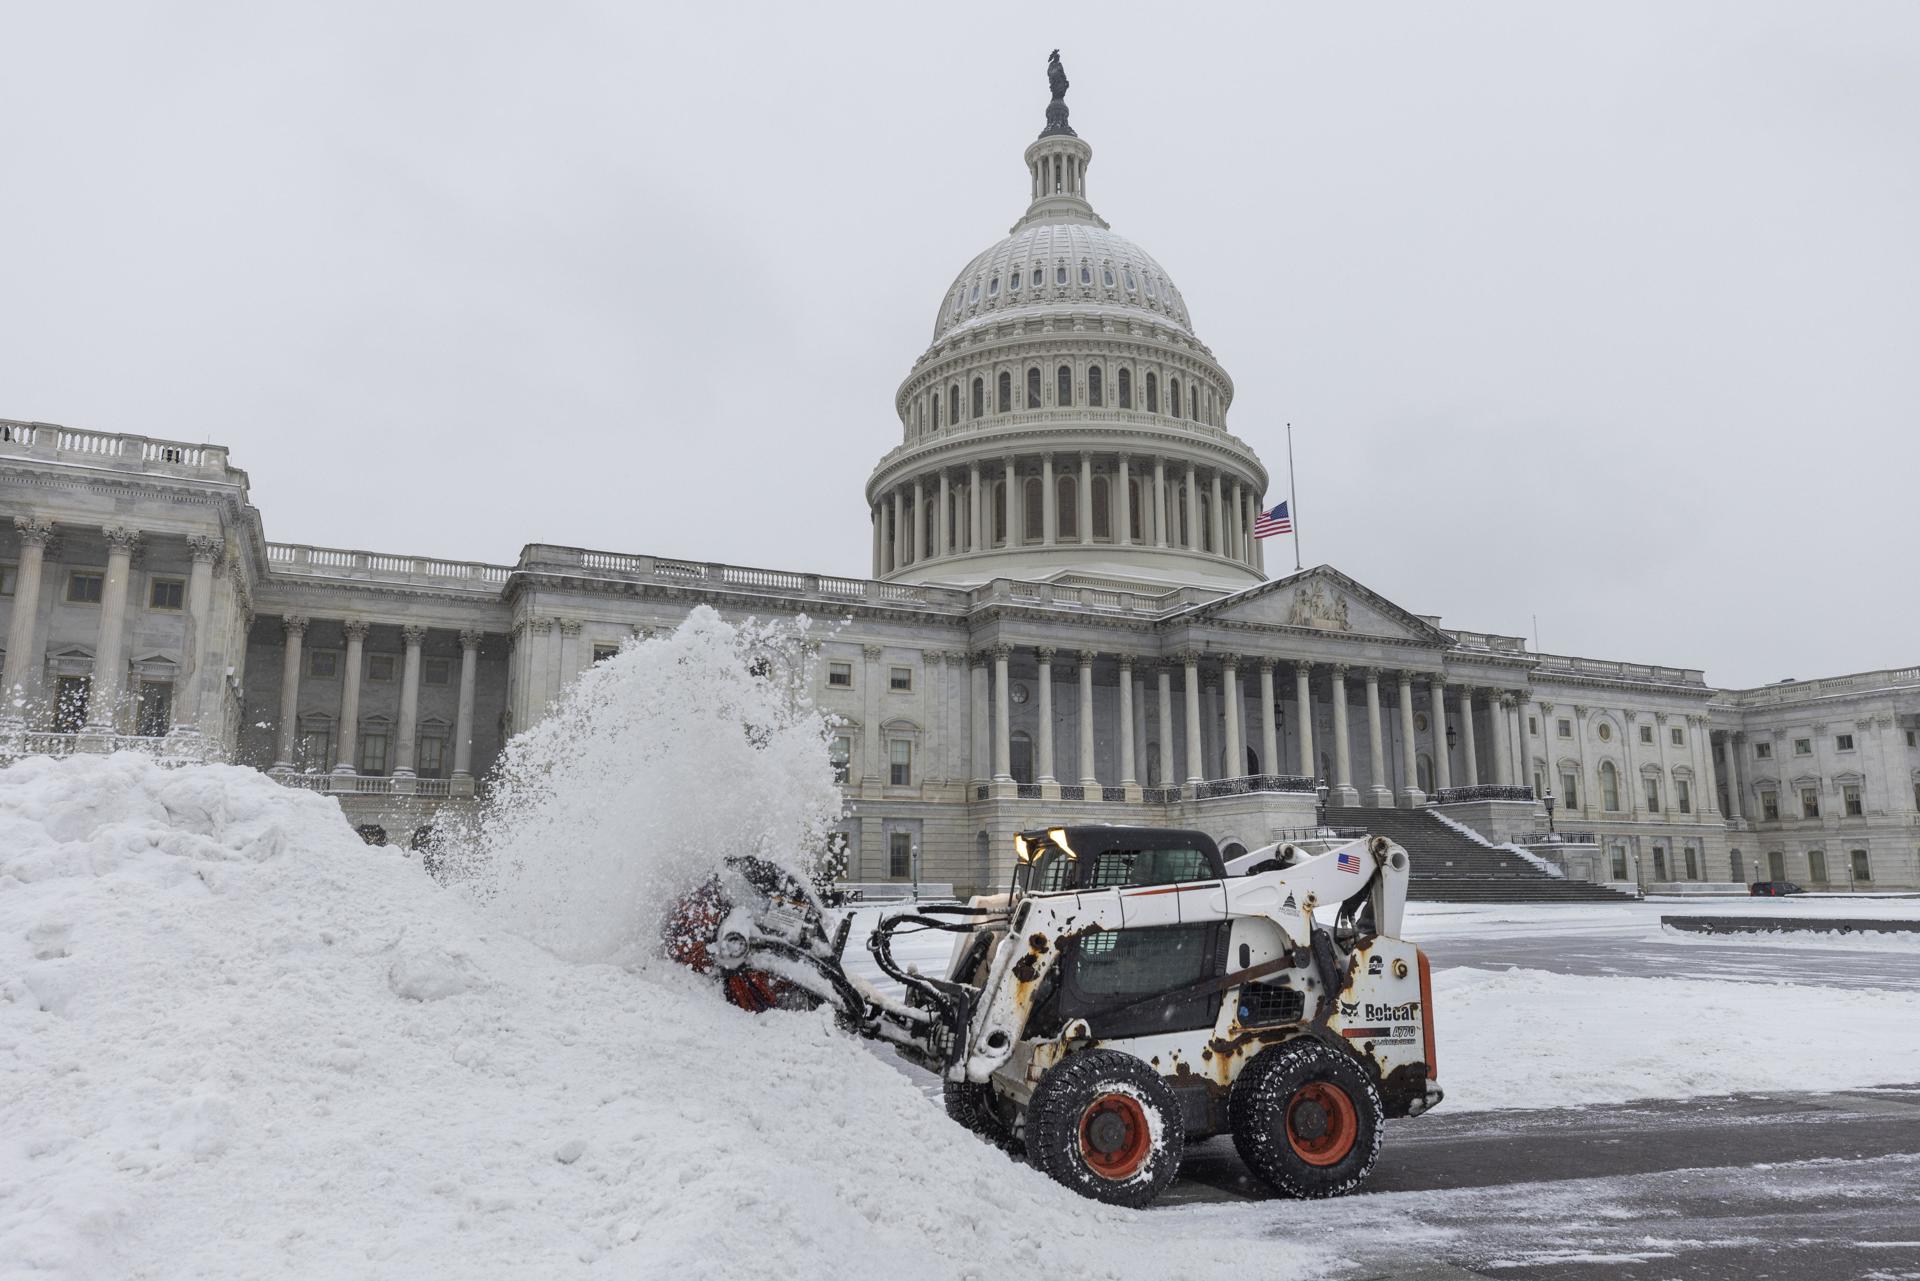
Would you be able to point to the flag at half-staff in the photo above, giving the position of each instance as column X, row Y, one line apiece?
column 1275, row 521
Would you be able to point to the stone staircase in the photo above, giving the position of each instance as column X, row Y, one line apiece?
column 1451, row 868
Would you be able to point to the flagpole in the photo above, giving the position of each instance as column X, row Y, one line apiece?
column 1293, row 496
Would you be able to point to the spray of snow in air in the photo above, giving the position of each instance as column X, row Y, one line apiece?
column 655, row 766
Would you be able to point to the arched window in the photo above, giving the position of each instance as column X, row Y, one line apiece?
column 1096, row 394
column 979, row 398
column 1126, row 388
column 1203, row 536
column 993, row 287
column 1134, row 500
column 1033, row 387
column 1173, row 397
column 1153, row 394
column 1193, row 402
column 1039, row 277
column 1006, row 392
column 1609, row 787
column 1013, row 281
column 1102, row 507
column 1063, row 385
column 1030, row 508
column 956, row 522
column 1060, row 274
column 1086, row 274
column 1020, row 756
column 999, row 512
column 934, row 422
column 953, row 403
column 1066, row 491
column 1180, row 515
column 1106, row 277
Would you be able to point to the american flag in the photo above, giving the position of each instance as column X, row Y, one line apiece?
column 1347, row 861
column 1273, row 522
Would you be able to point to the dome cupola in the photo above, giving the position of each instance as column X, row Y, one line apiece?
column 1065, row 420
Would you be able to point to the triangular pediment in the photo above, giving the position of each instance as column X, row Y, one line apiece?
column 1322, row 599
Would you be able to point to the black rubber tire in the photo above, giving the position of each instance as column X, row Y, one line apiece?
column 972, row 1107
column 1258, row 1110
column 1066, row 1096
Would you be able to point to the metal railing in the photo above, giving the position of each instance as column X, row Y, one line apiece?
column 376, row 785
column 1252, row 783
column 1482, row 792
column 1073, row 792
column 1556, row 838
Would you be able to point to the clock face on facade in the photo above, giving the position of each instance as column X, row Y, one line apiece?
column 1018, row 693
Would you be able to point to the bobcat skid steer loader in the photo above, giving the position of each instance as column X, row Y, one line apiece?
column 1128, row 993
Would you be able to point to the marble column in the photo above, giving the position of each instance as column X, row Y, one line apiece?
column 1235, row 531
column 463, row 719
column 570, row 658
column 110, row 653
column 1303, row 699
column 1084, row 518
column 1163, row 683
column 1192, row 540
column 1437, row 723
column 1469, row 752
column 1127, row 778
column 1502, row 750
column 1010, row 477
column 943, row 541
column 1410, row 794
column 1732, row 775
column 199, row 634
column 1344, row 792
column 295, row 627
column 1160, row 509
column 23, row 641
column 974, row 509
column 1123, row 505
column 879, row 527
column 919, row 520
column 405, row 740
column 1269, row 731
column 1195, row 769
column 1235, row 762
column 979, row 718
column 1378, row 791
column 347, row 744
column 898, row 531
column 1044, row 745
column 1089, row 776
column 1216, row 518
column 1049, row 504
column 1002, row 718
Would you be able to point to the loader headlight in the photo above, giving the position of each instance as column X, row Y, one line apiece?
column 1058, row 835
column 1020, row 850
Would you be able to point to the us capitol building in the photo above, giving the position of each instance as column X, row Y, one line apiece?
column 1066, row 619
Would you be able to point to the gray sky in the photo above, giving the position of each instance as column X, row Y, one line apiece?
column 1608, row 313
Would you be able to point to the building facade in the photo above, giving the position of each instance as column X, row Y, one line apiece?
column 1066, row 619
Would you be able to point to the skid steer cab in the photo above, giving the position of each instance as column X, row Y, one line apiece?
column 1131, row 992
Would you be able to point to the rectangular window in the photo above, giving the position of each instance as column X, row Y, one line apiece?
column 1683, row 795
column 1817, row 866
column 316, row 751
column 373, row 754
column 1809, row 802
column 900, row 762
column 900, row 679
column 1850, row 796
column 1569, row 789
column 1913, row 738
column 1862, row 870
column 602, row 652
column 432, row 762
column 323, row 662
column 84, row 587
column 840, row 752
column 899, row 854
column 70, row 704
column 1678, row 735
column 840, row 675
column 167, row 593
column 1565, row 728
column 1803, row 747
column 153, row 716
column 1533, row 726
column 9, row 575
column 1646, row 733
column 379, row 667
column 1770, row 806
column 1653, row 794
column 1693, row 864
column 1843, row 742
column 1619, row 864
column 436, row 671
column 1763, row 751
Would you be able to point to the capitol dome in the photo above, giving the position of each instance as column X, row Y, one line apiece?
column 1065, row 421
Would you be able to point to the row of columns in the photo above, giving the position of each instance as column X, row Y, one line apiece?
column 1502, row 708
column 108, row 683
column 406, row 734
column 900, row 533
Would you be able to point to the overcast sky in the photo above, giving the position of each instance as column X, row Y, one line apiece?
column 1608, row 314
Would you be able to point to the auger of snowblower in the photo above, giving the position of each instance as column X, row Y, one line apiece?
column 1129, row 991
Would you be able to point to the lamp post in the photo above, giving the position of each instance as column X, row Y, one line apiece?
column 1320, row 790
column 1548, row 799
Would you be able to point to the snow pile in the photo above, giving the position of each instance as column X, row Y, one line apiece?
column 1533, row 1039
column 237, row 1042
column 605, row 811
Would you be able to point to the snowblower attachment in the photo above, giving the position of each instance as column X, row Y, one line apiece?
column 1129, row 991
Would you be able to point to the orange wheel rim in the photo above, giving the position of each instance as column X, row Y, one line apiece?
column 1322, row 1124
column 1114, row 1138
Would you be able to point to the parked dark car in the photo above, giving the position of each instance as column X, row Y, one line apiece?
column 1773, row 889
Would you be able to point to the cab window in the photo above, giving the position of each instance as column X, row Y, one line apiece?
column 1150, row 867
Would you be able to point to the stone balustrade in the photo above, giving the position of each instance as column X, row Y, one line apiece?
column 298, row 559
column 55, row 443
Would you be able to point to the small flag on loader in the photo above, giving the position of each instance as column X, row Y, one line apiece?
column 1269, row 523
